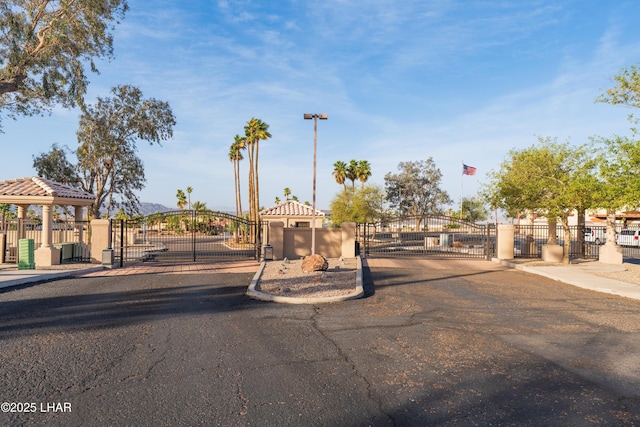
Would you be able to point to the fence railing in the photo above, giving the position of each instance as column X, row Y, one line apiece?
column 71, row 237
column 529, row 239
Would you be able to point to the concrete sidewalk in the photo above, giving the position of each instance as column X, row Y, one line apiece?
column 587, row 275
column 11, row 276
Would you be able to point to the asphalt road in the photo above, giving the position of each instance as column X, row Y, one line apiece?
column 451, row 342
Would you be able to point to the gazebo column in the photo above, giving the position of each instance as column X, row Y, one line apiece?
column 22, row 216
column 79, row 225
column 46, row 255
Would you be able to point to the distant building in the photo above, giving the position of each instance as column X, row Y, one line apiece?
column 292, row 214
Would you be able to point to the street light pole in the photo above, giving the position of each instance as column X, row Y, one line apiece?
column 315, row 118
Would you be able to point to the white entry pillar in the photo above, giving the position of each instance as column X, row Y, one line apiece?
column 78, row 219
column 22, row 216
column 46, row 255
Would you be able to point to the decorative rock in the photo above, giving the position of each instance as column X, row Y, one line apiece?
column 315, row 263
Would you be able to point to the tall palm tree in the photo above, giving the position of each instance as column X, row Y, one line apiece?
column 235, row 155
column 199, row 206
column 189, row 191
column 340, row 172
column 352, row 173
column 363, row 171
column 287, row 193
column 254, row 131
column 182, row 199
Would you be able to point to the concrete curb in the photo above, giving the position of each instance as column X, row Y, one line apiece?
column 35, row 276
column 253, row 293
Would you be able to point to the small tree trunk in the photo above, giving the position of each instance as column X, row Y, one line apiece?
column 611, row 227
column 552, row 238
column 567, row 239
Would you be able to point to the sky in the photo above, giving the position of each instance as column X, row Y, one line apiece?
column 454, row 80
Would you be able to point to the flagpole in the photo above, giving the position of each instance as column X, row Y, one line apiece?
column 461, row 188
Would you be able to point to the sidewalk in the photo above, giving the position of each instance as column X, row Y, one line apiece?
column 587, row 275
column 11, row 276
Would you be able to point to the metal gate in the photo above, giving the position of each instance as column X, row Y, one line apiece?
column 185, row 236
column 432, row 235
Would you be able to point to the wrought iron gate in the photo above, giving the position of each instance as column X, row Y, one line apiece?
column 427, row 236
column 185, row 236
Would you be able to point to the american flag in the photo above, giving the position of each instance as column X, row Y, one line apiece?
column 468, row 170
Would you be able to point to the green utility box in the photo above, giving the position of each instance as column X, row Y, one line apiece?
column 26, row 256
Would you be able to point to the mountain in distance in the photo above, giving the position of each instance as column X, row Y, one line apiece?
column 150, row 208
column 147, row 208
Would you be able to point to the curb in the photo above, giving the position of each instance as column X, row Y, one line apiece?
column 253, row 293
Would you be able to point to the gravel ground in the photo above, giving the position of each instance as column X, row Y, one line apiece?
column 283, row 278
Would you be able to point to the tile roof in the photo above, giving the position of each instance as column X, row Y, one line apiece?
column 41, row 187
column 290, row 208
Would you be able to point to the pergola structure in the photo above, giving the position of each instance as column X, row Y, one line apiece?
column 24, row 192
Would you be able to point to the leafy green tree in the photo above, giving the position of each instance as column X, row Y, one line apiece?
column 620, row 155
column 287, row 193
column 626, row 90
column 55, row 166
column 619, row 181
column 46, row 45
column 108, row 165
column 365, row 205
column 474, row 209
column 551, row 179
column 415, row 190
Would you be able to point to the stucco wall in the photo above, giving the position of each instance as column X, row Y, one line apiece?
column 295, row 243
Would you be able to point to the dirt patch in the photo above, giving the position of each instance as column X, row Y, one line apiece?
column 286, row 278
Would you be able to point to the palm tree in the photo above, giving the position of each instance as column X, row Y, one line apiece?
column 199, row 206
column 363, row 171
column 182, row 199
column 277, row 200
column 235, row 155
column 340, row 172
column 287, row 193
column 254, row 131
column 189, row 191
column 352, row 173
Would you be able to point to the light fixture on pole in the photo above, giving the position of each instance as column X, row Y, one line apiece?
column 315, row 118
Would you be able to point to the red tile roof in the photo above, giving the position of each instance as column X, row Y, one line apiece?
column 290, row 208
column 41, row 187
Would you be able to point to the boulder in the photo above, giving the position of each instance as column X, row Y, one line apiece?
column 314, row 263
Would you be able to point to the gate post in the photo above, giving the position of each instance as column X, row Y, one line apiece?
column 506, row 234
column 100, row 238
column 348, row 239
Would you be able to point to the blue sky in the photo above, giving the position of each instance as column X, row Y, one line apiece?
column 400, row 80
